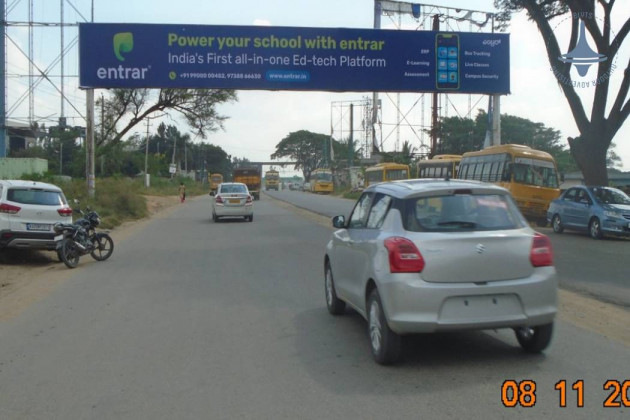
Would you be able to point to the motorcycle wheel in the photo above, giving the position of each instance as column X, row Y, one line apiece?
column 103, row 247
column 69, row 253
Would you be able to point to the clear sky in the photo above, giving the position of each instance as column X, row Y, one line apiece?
column 261, row 119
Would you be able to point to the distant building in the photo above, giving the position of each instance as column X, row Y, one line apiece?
column 20, row 136
column 616, row 179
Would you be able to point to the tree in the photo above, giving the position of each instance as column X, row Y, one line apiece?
column 596, row 134
column 461, row 135
column 126, row 108
column 306, row 148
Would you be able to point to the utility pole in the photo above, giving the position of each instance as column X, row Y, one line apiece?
column 147, row 177
column 89, row 149
column 147, row 181
column 351, row 139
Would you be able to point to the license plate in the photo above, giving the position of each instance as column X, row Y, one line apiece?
column 234, row 201
column 58, row 238
column 37, row 226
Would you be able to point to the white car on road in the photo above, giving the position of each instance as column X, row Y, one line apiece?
column 28, row 211
column 232, row 199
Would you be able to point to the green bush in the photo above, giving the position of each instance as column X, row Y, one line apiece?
column 119, row 199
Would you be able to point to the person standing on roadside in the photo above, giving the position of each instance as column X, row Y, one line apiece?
column 182, row 192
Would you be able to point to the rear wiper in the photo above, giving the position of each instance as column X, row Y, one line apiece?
column 460, row 223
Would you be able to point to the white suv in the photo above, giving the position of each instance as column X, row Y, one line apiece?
column 28, row 211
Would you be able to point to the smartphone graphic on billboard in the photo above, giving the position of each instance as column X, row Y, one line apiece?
column 447, row 61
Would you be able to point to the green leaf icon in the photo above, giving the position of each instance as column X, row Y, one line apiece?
column 123, row 43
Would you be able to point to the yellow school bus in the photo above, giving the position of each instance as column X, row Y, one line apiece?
column 530, row 175
column 386, row 172
column 322, row 181
column 214, row 180
column 272, row 180
column 439, row 166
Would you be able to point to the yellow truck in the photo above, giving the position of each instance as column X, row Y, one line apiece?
column 214, row 180
column 252, row 177
column 272, row 180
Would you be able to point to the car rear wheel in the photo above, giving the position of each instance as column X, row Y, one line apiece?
column 534, row 339
column 335, row 305
column 385, row 344
column 251, row 218
column 556, row 223
column 595, row 228
column 215, row 218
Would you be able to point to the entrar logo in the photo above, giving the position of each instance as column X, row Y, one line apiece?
column 123, row 43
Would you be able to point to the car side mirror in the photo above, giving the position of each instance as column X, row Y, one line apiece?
column 211, row 193
column 339, row 222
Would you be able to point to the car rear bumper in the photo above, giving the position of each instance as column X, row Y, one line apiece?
column 415, row 306
column 234, row 211
column 34, row 240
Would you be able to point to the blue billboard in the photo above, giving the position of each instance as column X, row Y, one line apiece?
column 292, row 58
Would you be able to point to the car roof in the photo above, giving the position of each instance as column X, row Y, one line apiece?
column 22, row 183
column 411, row 187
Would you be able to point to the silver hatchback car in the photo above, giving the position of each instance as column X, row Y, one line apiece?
column 424, row 255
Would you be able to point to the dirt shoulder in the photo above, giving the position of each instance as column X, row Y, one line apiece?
column 27, row 276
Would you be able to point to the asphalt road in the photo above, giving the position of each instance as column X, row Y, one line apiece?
column 597, row 268
column 191, row 319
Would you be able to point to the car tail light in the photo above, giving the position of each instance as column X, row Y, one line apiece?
column 65, row 212
column 541, row 254
column 218, row 199
column 404, row 256
column 249, row 200
column 8, row 208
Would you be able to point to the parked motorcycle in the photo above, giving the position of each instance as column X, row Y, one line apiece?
column 81, row 238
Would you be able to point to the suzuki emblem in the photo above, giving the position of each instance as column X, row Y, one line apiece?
column 480, row 248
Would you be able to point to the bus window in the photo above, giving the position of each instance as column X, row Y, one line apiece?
column 507, row 172
column 394, row 174
column 486, row 171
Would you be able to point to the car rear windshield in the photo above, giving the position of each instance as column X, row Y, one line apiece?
column 36, row 196
column 461, row 212
column 233, row 189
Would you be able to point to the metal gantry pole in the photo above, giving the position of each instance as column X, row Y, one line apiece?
column 3, row 81
column 377, row 25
